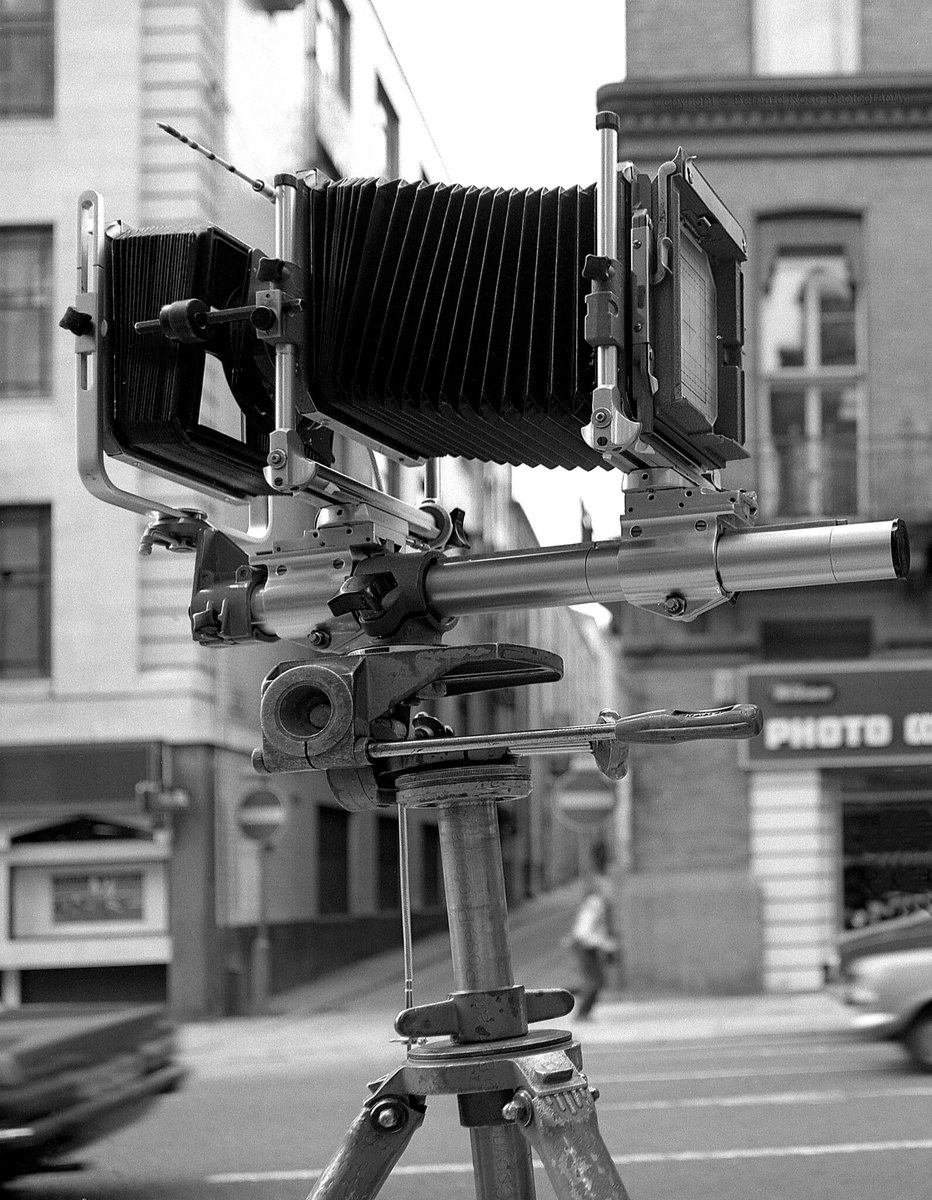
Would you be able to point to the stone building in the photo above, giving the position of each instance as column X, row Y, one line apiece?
column 748, row 862
column 124, row 747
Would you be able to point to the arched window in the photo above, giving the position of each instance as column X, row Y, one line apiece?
column 810, row 364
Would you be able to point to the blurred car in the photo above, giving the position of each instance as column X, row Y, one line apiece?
column 884, row 972
column 69, row 1075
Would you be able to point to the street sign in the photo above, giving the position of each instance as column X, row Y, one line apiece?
column 583, row 799
column 260, row 815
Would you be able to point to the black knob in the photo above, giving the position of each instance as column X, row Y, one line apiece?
column 361, row 594
column 263, row 317
column 76, row 322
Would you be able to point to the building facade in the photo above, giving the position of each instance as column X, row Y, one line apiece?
column 748, row 862
column 124, row 747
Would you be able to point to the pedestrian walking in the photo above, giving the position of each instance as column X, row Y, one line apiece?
column 592, row 943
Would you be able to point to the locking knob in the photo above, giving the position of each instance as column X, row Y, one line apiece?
column 362, row 594
column 76, row 322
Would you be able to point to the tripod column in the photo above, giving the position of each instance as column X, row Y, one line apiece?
column 466, row 800
column 474, row 879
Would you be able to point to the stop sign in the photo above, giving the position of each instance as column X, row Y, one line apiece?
column 260, row 815
column 583, row 798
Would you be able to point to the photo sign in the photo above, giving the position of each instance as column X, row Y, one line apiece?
column 834, row 714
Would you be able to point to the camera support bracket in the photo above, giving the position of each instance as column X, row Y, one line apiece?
column 669, row 540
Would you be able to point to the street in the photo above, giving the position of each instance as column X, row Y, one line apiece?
column 807, row 1116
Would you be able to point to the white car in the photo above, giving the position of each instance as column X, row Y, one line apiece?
column 884, row 973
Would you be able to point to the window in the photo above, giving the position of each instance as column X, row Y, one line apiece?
column 797, row 37
column 792, row 641
column 388, row 877
column 386, row 122
column 75, row 776
column 332, row 48
column 810, row 363
column 27, row 56
column 25, row 592
column 25, row 311
column 332, row 860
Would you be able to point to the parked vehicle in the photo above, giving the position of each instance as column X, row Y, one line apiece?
column 884, row 972
column 69, row 1075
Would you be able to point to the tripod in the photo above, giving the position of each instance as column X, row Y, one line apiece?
column 516, row 1089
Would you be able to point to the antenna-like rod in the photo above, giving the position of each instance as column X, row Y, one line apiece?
column 257, row 185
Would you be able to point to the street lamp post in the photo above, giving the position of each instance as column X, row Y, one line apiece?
column 260, row 816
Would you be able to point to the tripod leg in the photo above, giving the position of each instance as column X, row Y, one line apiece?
column 372, row 1145
column 562, row 1128
column 501, row 1160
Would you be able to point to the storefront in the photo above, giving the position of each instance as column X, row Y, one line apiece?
column 85, row 868
column 840, row 805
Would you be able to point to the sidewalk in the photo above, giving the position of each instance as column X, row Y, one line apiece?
column 354, row 1008
column 540, row 959
column 292, row 1039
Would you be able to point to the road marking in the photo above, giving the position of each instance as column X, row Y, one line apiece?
column 727, row 1049
column 829, row 1148
column 620, row 1160
column 826, row 1097
column 733, row 1073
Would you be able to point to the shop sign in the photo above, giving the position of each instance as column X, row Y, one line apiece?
column 839, row 715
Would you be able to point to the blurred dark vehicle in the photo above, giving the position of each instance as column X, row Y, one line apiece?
column 884, row 972
column 71, row 1075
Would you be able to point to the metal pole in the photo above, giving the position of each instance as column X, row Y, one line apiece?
column 286, row 353
column 405, row 882
column 259, row 964
column 471, row 852
column 746, row 561
column 432, row 478
column 606, row 235
column 474, row 878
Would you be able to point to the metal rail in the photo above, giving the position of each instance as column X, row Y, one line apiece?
column 745, row 561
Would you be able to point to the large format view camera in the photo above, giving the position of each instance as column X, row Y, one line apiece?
column 572, row 327
column 432, row 319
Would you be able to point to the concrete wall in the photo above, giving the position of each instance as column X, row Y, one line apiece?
column 692, row 39
column 895, row 35
column 688, row 38
column 795, row 841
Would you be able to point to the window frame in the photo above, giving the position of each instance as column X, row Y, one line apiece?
column 389, row 133
column 41, row 575
column 41, row 27
column 342, row 83
column 40, row 301
column 825, row 232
